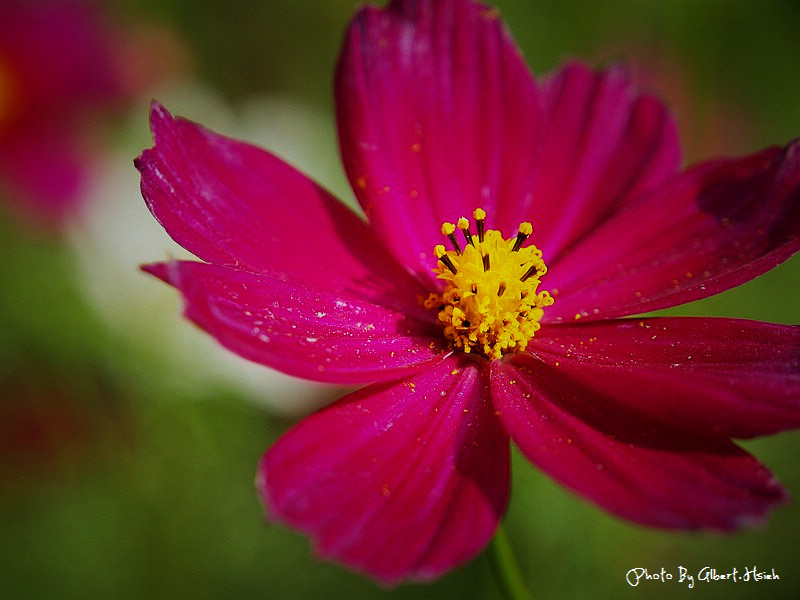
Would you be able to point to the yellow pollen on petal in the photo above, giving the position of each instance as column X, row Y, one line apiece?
column 491, row 303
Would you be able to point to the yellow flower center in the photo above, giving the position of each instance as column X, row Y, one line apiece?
column 491, row 303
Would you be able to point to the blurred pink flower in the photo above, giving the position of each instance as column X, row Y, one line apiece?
column 61, row 63
column 438, row 115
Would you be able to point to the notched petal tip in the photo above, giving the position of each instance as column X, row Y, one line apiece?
column 772, row 496
column 164, row 271
column 140, row 162
column 163, row 125
column 160, row 118
column 158, row 114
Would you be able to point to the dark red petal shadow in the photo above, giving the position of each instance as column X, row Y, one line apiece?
column 727, row 377
column 632, row 466
column 716, row 226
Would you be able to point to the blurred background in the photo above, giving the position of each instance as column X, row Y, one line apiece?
column 129, row 440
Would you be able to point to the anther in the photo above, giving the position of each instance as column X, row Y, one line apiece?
column 486, row 262
column 525, row 229
column 501, row 289
column 480, row 222
column 441, row 254
column 533, row 270
column 448, row 229
column 463, row 225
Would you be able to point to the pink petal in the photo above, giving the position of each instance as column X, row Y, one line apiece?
column 716, row 376
column 399, row 480
column 630, row 465
column 236, row 205
column 299, row 330
column 718, row 225
column 438, row 115
column 604, row 142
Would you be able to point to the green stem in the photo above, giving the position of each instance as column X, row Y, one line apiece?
column 505, row 567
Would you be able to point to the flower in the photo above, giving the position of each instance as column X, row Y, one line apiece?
column 440, row 119
column 60, row 67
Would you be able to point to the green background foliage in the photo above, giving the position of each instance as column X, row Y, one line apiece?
column 149, row 493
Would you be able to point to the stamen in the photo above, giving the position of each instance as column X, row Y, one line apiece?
column 448, row 229
column 463, row 225
column 525, row 229
column 485, row 305
column 480, row 222
column 441, row 254
column 533, row 270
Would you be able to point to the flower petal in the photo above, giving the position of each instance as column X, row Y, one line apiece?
column 730, row 377
column 401, row 480
column 604, row 143
column 299, row 330
column 233, row 204
column 634, row 467
column 716, row 226
column 437, row 115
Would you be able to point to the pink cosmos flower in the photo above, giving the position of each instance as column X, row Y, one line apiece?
column 438, row 116
column 58, row 64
